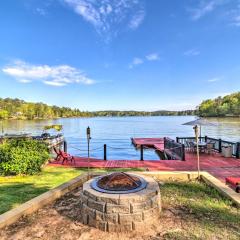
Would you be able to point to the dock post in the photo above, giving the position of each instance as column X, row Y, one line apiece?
column 183, row 152
column 105, row 152
column 141, row 153
column 206, row 138
column 64, row 146
column 177, row 139
column 220, row 145
column 238, row 150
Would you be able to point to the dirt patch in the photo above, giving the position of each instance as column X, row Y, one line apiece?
column 62, row 220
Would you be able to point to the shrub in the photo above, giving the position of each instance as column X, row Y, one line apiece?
column 22, row 157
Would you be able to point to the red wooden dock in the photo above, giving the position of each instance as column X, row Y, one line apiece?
column 215, row 164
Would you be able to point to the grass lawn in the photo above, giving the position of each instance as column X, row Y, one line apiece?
column 16, row 190
column 190, row 211
column 198, row 212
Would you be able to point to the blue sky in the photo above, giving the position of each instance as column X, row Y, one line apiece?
column 119, row 54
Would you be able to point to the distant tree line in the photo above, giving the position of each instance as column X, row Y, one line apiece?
column 19, row 109
column 226, row 106
column 142, row 113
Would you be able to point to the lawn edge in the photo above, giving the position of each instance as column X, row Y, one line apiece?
column 40, row 201
column 221, row 187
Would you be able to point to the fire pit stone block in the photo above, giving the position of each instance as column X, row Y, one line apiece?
column 121, row 212
column 100, row 206
column 119, row 228
column 111, row 208
column 126, row 218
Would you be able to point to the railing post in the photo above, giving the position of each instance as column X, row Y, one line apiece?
column 183, row 152
column 238, row 150
column 220, row 145
column 64, row 146
column 105, row 152
column 177, row 139
column 206, row 138
column 141, row 158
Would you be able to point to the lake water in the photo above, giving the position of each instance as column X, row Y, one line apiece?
column 117, row 132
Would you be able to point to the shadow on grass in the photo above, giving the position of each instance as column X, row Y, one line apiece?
column 13, row 194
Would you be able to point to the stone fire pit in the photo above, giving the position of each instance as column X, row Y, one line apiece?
column 120, row 202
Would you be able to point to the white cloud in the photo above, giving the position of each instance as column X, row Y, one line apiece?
column 137, row 20
column 87, row 10
column 41, row 11
column 230, row 10
column 24, row 80
column 152, row 57
column 136, row 61
column 236, row 21
column 55, row 84
column 216, row 79
column 109, row 16
column 234, row 15
column 59, row 75
column 191, row 52
column 205, row 7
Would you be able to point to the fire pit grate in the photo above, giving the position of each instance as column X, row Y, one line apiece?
column 119, row 182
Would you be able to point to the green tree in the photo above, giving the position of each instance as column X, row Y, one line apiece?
column 228, row 105
column 4, row 114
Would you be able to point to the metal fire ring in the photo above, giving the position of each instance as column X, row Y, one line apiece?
column 142, row 186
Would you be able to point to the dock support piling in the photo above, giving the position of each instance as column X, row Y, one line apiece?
column 141, row 158
column 64, row 146
column 183, row 152
column 220, row 145
column 105, row 152
column 238, row 150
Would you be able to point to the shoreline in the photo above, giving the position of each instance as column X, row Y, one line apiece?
column 130, row 116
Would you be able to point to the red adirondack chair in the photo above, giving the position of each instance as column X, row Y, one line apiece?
column 66, row 157
column 58, row 154
column 234, row 182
